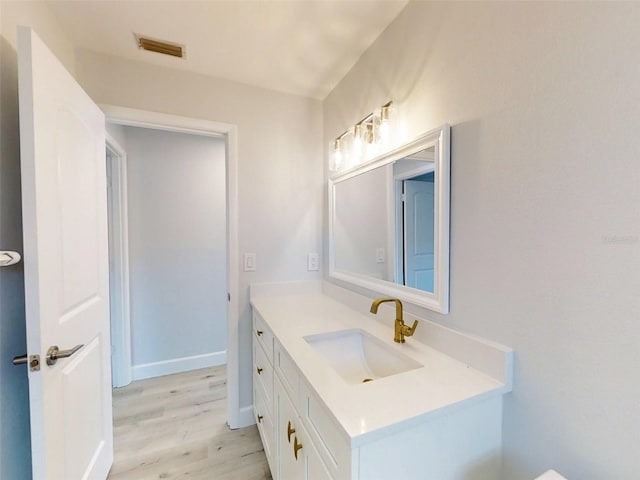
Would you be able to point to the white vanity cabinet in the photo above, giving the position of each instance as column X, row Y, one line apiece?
column 287, row 445
column 316, row 426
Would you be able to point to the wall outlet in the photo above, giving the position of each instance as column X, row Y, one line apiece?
column 312, row 262
column 380, row 255
column 249, row 262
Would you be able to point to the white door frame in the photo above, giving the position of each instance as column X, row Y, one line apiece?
column 121, row 365
column 174, row 123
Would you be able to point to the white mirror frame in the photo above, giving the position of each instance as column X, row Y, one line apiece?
column 438, row 301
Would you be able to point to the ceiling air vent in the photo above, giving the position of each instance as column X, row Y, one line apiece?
column 159, row 46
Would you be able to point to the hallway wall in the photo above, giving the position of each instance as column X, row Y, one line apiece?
column 177, row 250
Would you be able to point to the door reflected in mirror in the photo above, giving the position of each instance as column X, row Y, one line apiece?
column 389, row 223
column 384, row 222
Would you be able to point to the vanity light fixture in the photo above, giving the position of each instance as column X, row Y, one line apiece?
column 367, row 137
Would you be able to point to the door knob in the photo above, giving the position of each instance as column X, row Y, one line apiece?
column 54, row 353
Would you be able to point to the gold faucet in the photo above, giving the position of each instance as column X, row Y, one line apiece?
column 401, row 329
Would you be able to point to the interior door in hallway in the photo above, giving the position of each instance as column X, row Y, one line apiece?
column 419, row 234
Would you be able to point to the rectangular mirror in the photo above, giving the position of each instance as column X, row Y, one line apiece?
column 389, row 223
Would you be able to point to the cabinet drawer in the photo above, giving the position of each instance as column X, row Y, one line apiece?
column 263, row 335
column 288, row 373
column 262, row 371
column 263, row 413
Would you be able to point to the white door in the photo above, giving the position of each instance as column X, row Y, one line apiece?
column 66, row 267
column 419, row 231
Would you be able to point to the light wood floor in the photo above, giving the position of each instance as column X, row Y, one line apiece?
column 173, row 427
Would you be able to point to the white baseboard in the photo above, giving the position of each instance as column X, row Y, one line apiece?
column 177, row 365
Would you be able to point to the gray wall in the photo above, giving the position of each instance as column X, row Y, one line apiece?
column 177, row 245
column 543, row 99
column 360, row 226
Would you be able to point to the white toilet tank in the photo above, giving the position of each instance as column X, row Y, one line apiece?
column 551, row 475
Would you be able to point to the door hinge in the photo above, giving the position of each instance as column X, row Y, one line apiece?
column 228, row 297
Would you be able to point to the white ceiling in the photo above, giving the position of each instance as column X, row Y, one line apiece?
column 303, row 47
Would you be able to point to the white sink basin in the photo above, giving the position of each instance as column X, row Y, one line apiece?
column 360, row 357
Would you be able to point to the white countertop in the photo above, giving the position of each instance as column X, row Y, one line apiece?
column 366, row 411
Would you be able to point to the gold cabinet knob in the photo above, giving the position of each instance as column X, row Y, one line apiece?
column 259, row 370
column 260, row 417
column 296, row 446
column 259, row 332
column 290, row 431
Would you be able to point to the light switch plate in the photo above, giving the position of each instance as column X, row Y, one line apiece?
column 312, row 262
column 380, row 255
column 249, row 262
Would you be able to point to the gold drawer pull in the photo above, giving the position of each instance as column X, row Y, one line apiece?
column 259, row 370
column 296, row 446
column 290, row 431
column 259, row 332
column 260, row 417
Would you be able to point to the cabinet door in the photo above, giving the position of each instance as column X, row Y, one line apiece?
column 298, row 459
column 315, row 469
column 291, row 465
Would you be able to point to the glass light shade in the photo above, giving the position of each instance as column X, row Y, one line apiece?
column 386, row 118
column 367, row 139
column 357, row 143
column 335, row 160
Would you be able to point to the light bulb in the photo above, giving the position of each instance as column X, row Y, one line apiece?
column 357, row 141
column 384, row 131
column 385, row 127
column 337, row 156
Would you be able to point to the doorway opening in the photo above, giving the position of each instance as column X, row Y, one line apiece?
column 225, row 134
column 414, row 179
column 176, row 248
